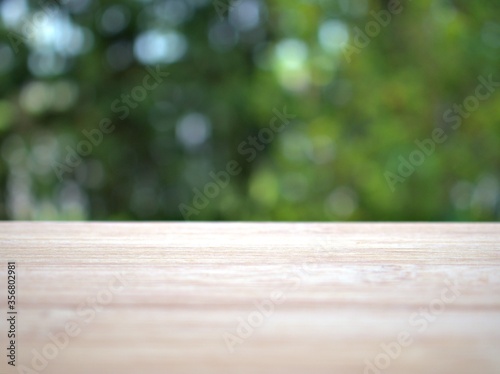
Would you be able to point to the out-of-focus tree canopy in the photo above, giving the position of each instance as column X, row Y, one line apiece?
column 368, row 83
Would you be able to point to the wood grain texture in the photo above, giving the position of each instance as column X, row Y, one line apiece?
column 323, row 298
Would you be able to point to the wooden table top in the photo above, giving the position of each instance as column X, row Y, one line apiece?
column 361, row 298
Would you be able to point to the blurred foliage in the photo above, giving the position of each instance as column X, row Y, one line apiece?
column 230, row 63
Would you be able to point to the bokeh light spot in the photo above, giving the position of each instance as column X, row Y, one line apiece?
column 152, row 47
column 193, row 129
column 333, row 35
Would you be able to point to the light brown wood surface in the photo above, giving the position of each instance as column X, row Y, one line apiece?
column 335, row 295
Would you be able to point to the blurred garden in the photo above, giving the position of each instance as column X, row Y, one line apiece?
column 306, row 110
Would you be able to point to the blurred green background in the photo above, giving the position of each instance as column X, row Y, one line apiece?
column 230, row 63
